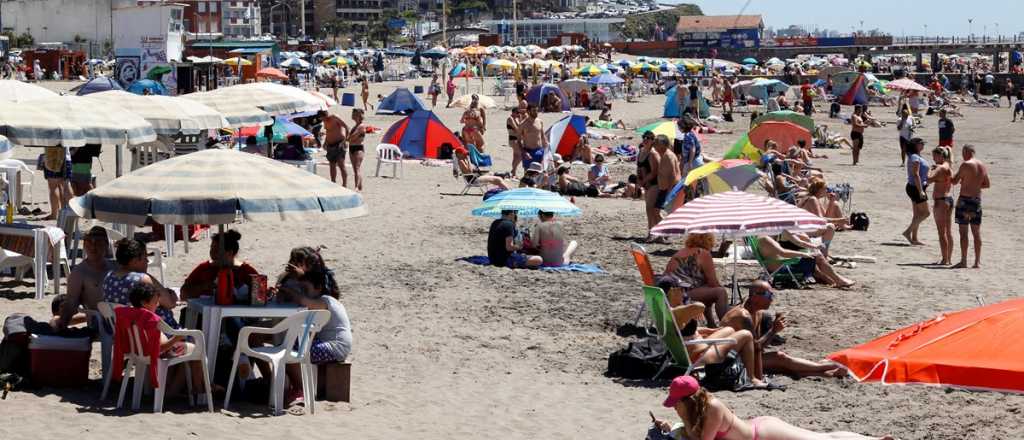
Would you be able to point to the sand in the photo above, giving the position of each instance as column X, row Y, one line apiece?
column 444, row 349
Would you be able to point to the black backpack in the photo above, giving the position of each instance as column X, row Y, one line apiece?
column 859, row 221
column 641, row 359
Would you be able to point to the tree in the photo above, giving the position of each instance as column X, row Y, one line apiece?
column 335, row 28
column 641, row 25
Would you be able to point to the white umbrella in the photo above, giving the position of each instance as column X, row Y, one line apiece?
column 273, row 103
column 465, row 100
column 311, row 102
column 295, row 63
column 31, row 125
column 17, row 91
column 101, row 122
column 573, row 85
column 238, row 113
column 168, row 115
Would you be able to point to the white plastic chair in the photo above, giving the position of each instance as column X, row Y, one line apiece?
column 299, row 330
column 16, row 261
column 152, row 152
column 26, row 187
column 105, row 329
column 390, row 154
column 138, row 361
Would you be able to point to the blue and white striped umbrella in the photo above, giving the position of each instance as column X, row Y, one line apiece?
column 167, row 114
column 215, row 187
column 101, row 122
column 5, row 148
column 527, row 202
column 32, row 125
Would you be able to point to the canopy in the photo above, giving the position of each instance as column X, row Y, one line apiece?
column 275, row 99
column 168, row 115
column 483, row 101
column 536, row 95
column 17, row 91
column 27, row 124
column 672, row 104
column 310, row 101
column 906, row 85
column 213, row 187
column 97, row 84
column 785, row 134
column 737, row 214
column 527, row 202
column 975, row 349
column 850, row 87
column 139, row 87
column 787, row 116
column 420, row 135
column 101, row 122
column 401, row 101
column 566, row 133
column 667, row 128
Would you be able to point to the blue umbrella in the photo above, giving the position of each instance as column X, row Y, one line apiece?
column 536, row 95
column 400, row 101
column 763, row 88
column 95, row 85
column 749, row 61
column 434, row 53
column 606, row 79
column 527, row 202
column 395, row 51
column 139, row 87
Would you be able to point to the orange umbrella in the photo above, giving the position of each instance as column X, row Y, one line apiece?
column 270, row 72
column 786, row 134
column 978, row 348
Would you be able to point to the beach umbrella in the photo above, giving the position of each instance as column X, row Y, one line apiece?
column 613, row 68
column 667, row 128
column 5, row 148
column 537, row 93
column 327, row 100
column 311, row 103
column 573, row 85
column 725, row 175
column 484, row 101
column 527, row 202
column 906, row 85
column 25, row 124
column 493, row 50
column 209, row 59
column 215, row 187
column 606, row 79
column 282, row 129
column 400, row 101
column 94, row 61
column 565, row 134
column 743, row 149
column 295, row 63
column 590, row 70
column 335, row 61
column 272, row 73
column 237, row 61
column 237, row 112
column 624, row 63
column 643, row 67
column 399, row 52
column 17, row 91
column 156, row 72
column 763, row 88
column 668, row 67
column 139, row 87
column 322, row 54
column 978, row 349
column 168, row 115
column 461, row 70
column 276, row 99
column 95, row 85
column 420, row 135
column 534, row 62
column 787, row 116
column 749, row 61
column 502, row 64
column 101, row 122
column 785, row 134
column 435, row 53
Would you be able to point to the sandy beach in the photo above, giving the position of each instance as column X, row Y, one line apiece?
column 445, row 349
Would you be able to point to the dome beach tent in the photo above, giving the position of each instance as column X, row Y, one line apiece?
column 850, row 88
column 400, row 101
column 420, row 135
column 672, row 105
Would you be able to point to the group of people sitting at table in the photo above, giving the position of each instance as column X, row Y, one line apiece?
column 306, row 282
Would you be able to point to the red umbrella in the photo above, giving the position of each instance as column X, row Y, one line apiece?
column 977, row 348
column 785, row 134
column 270, row 72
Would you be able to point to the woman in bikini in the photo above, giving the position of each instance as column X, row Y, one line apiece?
column 355, row 139
column 366, row 94
column 823, row 204
column 473, row 122
column 512, row 124
column 647, row 161
column 942, row 176
column 705, row 417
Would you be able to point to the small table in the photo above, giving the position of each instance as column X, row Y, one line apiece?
column 37, row 242
column 214, row 314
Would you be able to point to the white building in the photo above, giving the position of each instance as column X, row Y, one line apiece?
column 241, row 19
column 60, row 20
column 145, row 37
column 538, row 31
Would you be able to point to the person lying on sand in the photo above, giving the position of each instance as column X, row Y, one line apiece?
column 812, row 264
column 706, row 417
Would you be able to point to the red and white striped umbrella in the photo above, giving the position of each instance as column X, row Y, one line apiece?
column 906, row 85
column 737, row 214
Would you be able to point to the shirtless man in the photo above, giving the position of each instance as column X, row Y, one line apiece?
column 857, row 132
column 972, row 176
column 941, row 175
column 531, row 137
column 355, row 149
column 668, row 169
column 752, row 316
column 334, row 145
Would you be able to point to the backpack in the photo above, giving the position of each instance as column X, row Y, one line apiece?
column 859, row 221
column 641, row 359
column 728, row 375
column 445, row 152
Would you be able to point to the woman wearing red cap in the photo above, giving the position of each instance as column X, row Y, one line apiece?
column 707, row 418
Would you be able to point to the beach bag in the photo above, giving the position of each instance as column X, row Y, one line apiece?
column 641, row 359
column 728, row 375
column 53, row 159
column 445, row 152
column 859, row 221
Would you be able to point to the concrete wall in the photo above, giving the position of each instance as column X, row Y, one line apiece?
column 62, row 19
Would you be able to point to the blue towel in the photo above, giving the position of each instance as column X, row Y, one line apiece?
column 575, row 267
column 479, row 260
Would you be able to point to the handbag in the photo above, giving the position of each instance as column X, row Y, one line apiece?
column 859, row 221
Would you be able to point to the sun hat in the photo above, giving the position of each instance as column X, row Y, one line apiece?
column 681, row 388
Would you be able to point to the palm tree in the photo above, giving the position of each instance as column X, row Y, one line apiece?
column 336, row 27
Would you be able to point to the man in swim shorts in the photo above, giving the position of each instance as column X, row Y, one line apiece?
column 972, row 178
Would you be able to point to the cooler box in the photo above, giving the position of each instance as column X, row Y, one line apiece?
column 348, row 99
column 59, row 362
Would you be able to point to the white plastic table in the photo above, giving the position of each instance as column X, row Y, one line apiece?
column 15, row 236
column 214, row 314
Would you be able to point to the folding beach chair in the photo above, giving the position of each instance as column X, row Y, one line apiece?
column 482, row 162
column 469, row 179
column 643, row 264
column 783, row 273
column 668, row 331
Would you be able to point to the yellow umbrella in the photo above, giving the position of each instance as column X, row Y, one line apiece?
column 335, row 61
column 502, row 64
column 668, row 128
column 237, row 61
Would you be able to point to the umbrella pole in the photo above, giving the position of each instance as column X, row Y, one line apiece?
column 118, row 160
column 735, row 287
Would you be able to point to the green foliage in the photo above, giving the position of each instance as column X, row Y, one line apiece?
column 24, row 40
column 640, row 25
column 462, row 10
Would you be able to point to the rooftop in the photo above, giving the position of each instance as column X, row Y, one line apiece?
column 705, row 23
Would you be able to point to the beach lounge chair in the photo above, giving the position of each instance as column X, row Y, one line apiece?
column 299, row 330
column 390, row 154
column 470, row 180
column 482, row 162
column 643, row 264
column 668, row 331
column 785, row 270
column 138, row 361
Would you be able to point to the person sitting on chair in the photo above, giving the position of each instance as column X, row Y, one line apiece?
column 812, row 265
column 693, row 269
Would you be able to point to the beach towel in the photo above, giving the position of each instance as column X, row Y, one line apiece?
column 482, row 260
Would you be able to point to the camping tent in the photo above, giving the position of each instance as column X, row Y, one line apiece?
column 96, row 85
column 420, row 135
column 672, row 105
column 400, row 101
column 850, row 88
column 536, row 95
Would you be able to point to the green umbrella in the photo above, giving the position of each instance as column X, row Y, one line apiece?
column 787, row 116
column 158, row 71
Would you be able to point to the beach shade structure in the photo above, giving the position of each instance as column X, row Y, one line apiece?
column 237, row 113
column 168, row 115
column 216, row 187
column 27, row 124
column 643, row 67
column 501, row 64
column 282, row 129
column 97, row 84
column 765, row 88
column 625, row 64
column 613, row 68
column 295, row 63
column 573, row 85
column 271, row 73
column 139, row 87
column 749, row 61
column 101, row 122
column 725, row 175
column 237, row 61
column 484, row 101
column 401, row 101
column 850, row 88
column 156, row 72
column 590, row 70
column 461, row 70
column 673, row 106
column 17, row 91
column 605, row 79
column 905, row 85
column 667, row 67
column 420, row 135
column 667, row 128
column 527, row 202
column 743, row 149
column 335, row 61
column 977, row 349
column 327, row 100
column 274, row 99
column 537, row 93
column 785, row 134
column 399, row 52
column 787, row 116
column 209, row 59
column 311, row 102
column 565, row 134
column 434, row 53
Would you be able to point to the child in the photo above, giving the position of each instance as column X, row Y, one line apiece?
column 334, row 341
column 633, row 191
column 144, row 297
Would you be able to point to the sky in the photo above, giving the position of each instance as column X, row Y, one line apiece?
column 896, row 17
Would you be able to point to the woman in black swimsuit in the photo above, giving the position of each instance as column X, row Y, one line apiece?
column 647, row 171
column 512, row 124
column 355, row 147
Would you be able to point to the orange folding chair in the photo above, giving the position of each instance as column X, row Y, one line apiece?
column 643, row 263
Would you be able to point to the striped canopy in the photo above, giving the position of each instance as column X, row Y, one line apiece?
column 17, row 91
column 229, row 100
column 25, row 124
column 237, row 113
column 527, row 202
column 168, row 115
column 311, row 102
column 101, row 122
column 214, row 187
column 737, row 214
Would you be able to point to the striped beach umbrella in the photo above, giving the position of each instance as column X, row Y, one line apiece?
column 335, row 61
column 17, row 91
column 25, row 124
column 168, row 115
column 101, row 122
column 216, row 187
column 312, row 102
column 237, row 113
column 737, row 214
column 5, row 148
column 527, row 202
column 276, row 104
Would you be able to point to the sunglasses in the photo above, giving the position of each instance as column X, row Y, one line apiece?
column 768, row 294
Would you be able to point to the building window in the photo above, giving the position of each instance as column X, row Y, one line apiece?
column 213, row 7
column 201, row 7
